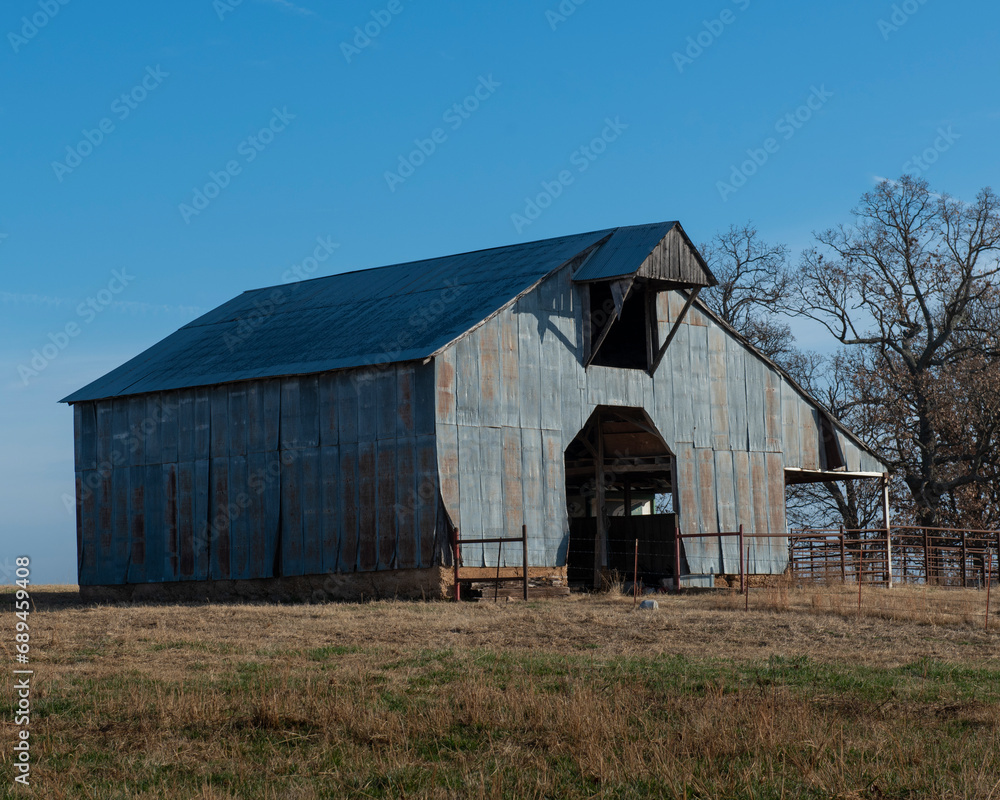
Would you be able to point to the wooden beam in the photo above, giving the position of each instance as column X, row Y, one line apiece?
column 673, row 330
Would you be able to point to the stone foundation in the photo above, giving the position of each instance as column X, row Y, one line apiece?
column 418, row 584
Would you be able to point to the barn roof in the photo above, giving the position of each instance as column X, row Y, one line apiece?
column 374, row 316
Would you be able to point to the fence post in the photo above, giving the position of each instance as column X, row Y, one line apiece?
column 743, row 564
column 458, row 550
column 927, row 557
column 677, row 560
column 524, row 558
column 843, row 556
column 888, row 531
column 965, row 583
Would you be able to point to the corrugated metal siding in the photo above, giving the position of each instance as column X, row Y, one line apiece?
column 285, row 477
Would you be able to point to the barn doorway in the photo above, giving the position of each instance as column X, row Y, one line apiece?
column 619, row 489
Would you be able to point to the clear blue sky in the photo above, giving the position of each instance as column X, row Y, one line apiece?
column 182, row 94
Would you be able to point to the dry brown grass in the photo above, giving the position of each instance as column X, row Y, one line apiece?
column 582, row 697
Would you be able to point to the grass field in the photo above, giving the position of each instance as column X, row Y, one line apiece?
column 576, row 698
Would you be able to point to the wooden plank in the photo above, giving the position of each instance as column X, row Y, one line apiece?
column 290, row 546
column 367, row 507
column 470, row 493
column 428, row 493
column 331, row 511
column 385, row 496
column 329, row 408
column 167, row 555
column 407, row 501
column 349, row 512
column 311, row 494
column 238, row 434
column 202, row 516
column 218, row 546
column 240, row 523
column 137, row 525
column 186, row 522
column 490, row 395
column 385, row 404
column 510, row 397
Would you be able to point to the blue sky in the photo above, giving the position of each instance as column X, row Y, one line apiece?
column 159, row 159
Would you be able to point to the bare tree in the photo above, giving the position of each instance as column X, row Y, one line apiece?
column 753, row 285
column 910, row 287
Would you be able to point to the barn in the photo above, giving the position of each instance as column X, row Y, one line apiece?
column 332, row 435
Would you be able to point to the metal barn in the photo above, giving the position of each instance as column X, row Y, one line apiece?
column 333, row 434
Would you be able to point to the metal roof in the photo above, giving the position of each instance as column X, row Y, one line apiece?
column 623, row 253
column 374, row 316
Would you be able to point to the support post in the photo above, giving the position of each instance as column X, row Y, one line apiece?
column 677, row 560
column 635, row 576
column 524, row 558
column 743, row 563
column 964, row 553
column 456, row 557
column 888, row 530
column 600, row 545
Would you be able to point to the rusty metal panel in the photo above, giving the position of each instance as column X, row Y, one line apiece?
column 407, row 501
column 744, row 494
column 202, row 516
column 78, row 481
column 367, row 401
column 103, row 434
column 736, row 395
column 707, row 498
column 487, row 339
column 255, row 417
column 773, row 555
column 259, row 483
column 182, row 558
column 470, row 493
column 759, row 487
column 219, row 426
column 385, row 494
column 448, row 469
column 687, row 488
column 330, row 511
column 312, row 494
column 677, row 361
column 120, row 491
column 513, row 498
column 490, row 470
column 202, row 424
column 725, row 490
column 423, row 399
column 428, row 494
column 150, row 430
column 717, row 388
column 532, row 472
column 555, row 529
column 467, row 381
column 697, row 385
column 166, row 552
column 446, row 392
column 367, row 507
column 87, row 501
column 809, row 434
column 528, row 372
column 105, row 545
column 329, row 411
column 350, row 516
column 137, row 506
column 137, row 441
column 155, row 517
column 290, row 545
column 237, row 435
column 239, row 519
column 756, row 397
column 385, row 403
column 347, row 406
column 405, row 411
column 773, row 420
column 791, row 410
column 169, row 430
column 220, row 521
column 510, row 396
